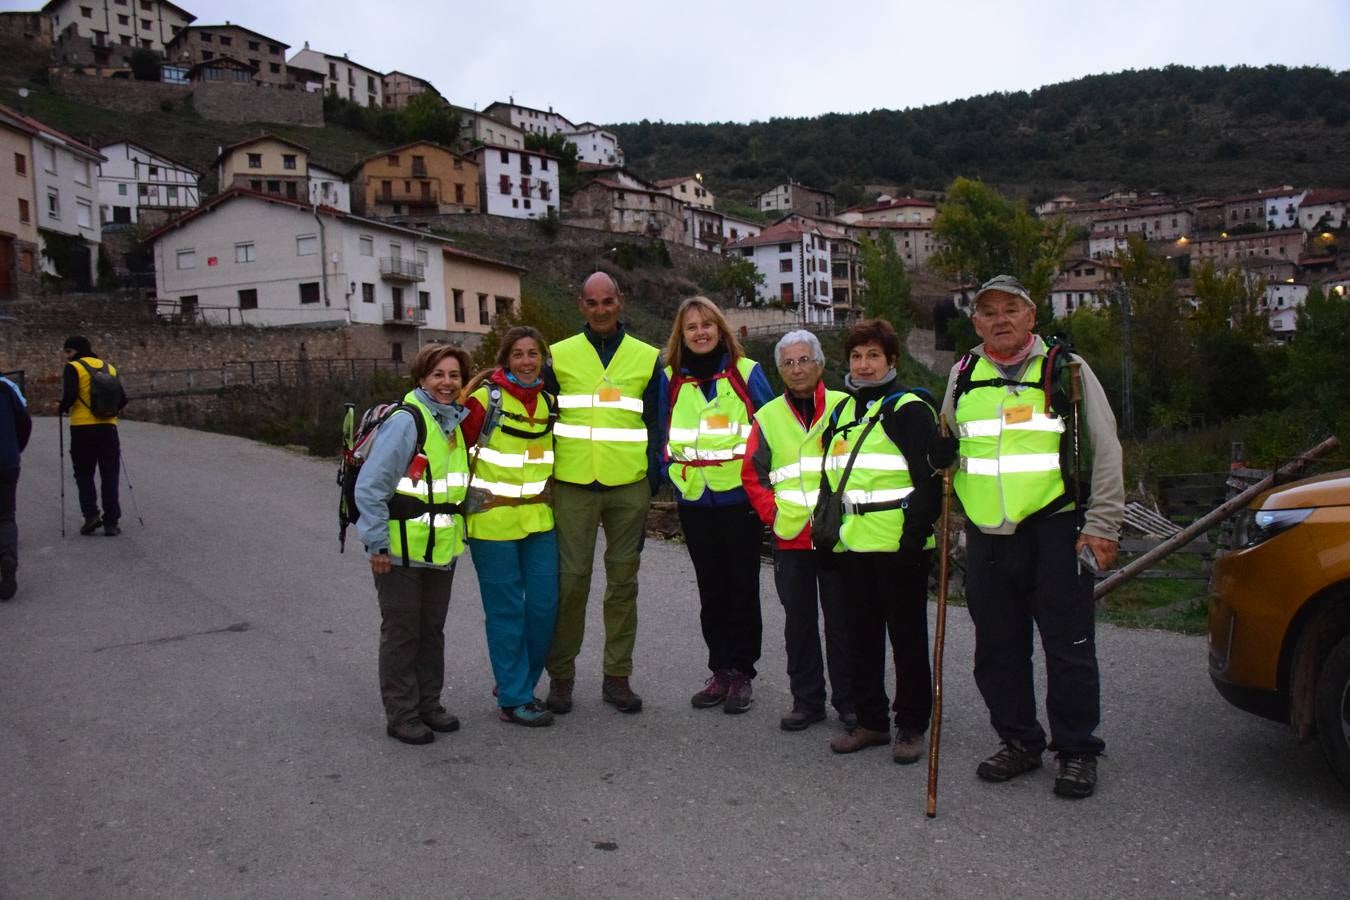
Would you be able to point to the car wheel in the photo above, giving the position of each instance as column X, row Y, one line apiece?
column 1332, row 708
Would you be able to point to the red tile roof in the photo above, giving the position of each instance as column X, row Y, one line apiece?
column 33, row 126
column 1318, row 196
column 774, row 234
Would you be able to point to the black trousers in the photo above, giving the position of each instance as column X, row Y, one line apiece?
column 1013, row 581
column 96, row 447
column 413, row 604
column 807, row 591
column 724, row 544
column 885, row 596
column 9, row 530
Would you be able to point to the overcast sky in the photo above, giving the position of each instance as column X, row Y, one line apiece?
column 742, row 60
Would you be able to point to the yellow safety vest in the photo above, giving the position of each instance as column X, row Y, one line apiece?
column 513, row 469
column 796, row 460
column 425, row 522
column 705, row 439
column 600, row 435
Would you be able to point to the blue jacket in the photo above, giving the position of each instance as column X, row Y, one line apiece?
column 760, row 393
column 388, row 460
column 15, row 424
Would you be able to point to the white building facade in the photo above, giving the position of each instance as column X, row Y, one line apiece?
column 66, row 190
column 530, row 120
column 520, row 184
column 245, row 259
column 595, row 145
column 133, row 180
column 140, row 24
column 343, row 77
column 795, row 263
column 328, row 188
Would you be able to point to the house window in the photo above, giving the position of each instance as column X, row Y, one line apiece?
column 248, row 298
column 332, row 71
column 208, row 55
column 367, row 292
column 253, row 45
column 226, row 40
column 784, row 248
column 50, row 152
column 20, row 164
column 785, row 265
column 366, row 245
column 506, row 157
column 424, row 299
column 26, row 262
column 256, row 185
column 505, row 184
column 124, row 20
column 187, row 259
column 53, row 205
column 422, row 259
column 87, row 12
column 245, row 253
column 459, row 305
column 173, row 192
column 274, row 187
column 274, row 68
column 145, row 26
column 84, row 214
column 23, row 210
column 370, row 83
column 288, row 161
column 785, row 292
column 273, row 49
column 309, row 292
column 255, row 160
column 205, row 37
column 484, row 317
column 392, row 159
column 459, row 193
column 396, row 351
column 306, row 245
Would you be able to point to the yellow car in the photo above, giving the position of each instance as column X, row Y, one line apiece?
column 1279, row 613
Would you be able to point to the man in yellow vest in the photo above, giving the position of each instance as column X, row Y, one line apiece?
column 1033, row 541
column 93, row 438
column 606, row 464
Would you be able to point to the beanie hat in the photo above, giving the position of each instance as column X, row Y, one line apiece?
column 80, row 344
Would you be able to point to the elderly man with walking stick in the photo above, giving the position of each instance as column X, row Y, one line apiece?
column 1028, row 415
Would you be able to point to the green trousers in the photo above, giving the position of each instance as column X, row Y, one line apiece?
column 578, row 513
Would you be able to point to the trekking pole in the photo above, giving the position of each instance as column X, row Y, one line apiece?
column 61, row 464
column 122, row 461
column 1076, row 402
column 940, row 632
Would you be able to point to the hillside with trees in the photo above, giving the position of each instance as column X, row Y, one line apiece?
column 1179, row 130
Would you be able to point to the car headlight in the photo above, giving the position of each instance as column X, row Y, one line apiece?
column 1258, row 526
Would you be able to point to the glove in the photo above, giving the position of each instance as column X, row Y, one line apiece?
column 942, row 451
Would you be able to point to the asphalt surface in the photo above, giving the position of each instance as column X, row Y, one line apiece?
column 191, row 710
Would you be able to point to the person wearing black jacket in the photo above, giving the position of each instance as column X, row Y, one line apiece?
column 16, row 425
column 891, row 502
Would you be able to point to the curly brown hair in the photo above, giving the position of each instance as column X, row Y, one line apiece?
column 874, row 331
column 430, row 356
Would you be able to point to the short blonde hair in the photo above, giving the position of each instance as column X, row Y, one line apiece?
column 675, row 346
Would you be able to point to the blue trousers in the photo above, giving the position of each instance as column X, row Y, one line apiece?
column 518, row 581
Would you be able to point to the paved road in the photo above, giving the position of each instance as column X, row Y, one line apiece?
column 190, row 710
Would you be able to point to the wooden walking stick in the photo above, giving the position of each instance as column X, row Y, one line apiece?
column 940, row 633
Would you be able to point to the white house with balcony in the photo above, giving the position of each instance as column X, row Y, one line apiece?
column 1326, row 206
column 254, row 259
column 66, row 191
column 794, row 258
column 342, row 76
column 530, row 120
column 595, row 145
column 519, row 184
column 135, row 182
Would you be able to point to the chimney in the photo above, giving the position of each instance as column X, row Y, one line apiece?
column 306, row 45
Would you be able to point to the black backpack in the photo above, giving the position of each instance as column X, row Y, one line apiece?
column 106, row 394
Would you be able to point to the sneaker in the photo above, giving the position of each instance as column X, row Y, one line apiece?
column 9, row 586
column 1010, row 761
column 559, row 699
column 801, row 718
column 738, row 694
column 860, row 738
column 617, row 691
column 91, row 524
column 111, row 530
column 714, row 689
column 527, row 714
column 439, row 719
column 412, row 731
column 1077, row 776
column 908, row 747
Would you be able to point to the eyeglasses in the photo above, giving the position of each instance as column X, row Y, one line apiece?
column 801, row 362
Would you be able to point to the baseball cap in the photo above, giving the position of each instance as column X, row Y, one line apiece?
column 1005, row 284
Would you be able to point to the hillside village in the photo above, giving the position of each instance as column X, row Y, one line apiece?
column 269, row 236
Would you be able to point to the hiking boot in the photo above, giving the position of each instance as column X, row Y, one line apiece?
column 1077, row 776
column 738, row 694
column 111, row 530
column 412, row 731
column 801, row 718
column 908, row 747
column 859, row 739
column 91, row 524
column 527, row 714
column 849, row 720
column 559, row 699
column 1010, row 761
column 9, row 586
column 616, row 691
column 714, row 689
column 439, row 719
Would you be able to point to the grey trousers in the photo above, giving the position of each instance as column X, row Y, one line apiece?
column 413, row 604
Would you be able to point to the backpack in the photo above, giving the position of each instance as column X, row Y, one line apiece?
column 357, row 441
column 106, row 394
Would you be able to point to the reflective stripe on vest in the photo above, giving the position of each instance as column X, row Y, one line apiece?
column 879, row 475
column 705, row 439
column 600, row 435
column 796, row 459
column 513, row 467
column 1010, row 449
column 434, row 536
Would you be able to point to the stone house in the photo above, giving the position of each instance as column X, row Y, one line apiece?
column 528, row 119
column 119, row 27
column 688, row 189
column 625, row 208
column 792, row 196
column 208, row 43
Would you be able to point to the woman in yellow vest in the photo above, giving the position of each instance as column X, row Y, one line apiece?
column 709, row 394
column 412, row 524
column 511, row 538
column 876, row 456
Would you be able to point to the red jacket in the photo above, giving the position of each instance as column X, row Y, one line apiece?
column 759, row 463
column 473, row 422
